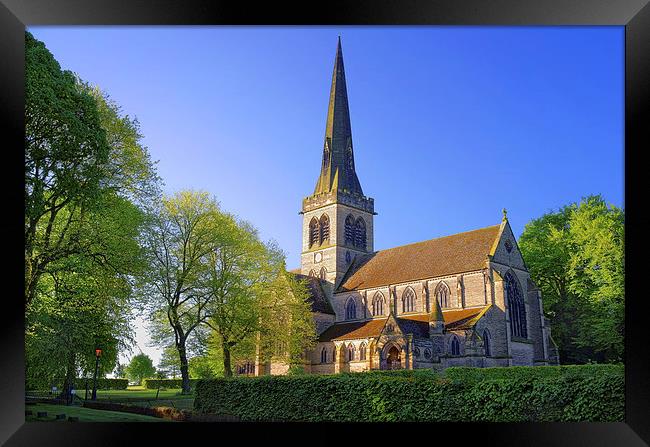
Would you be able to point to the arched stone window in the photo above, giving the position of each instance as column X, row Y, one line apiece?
column 314, row 231
column 350, row 353
column 516, row 307
column 408, row 300
column 324, row 229
column 323, row 273
column 442, row 294
column 334, row 354
column 455, row 346
column 378, row 304
column 312, row 273
column 351, row 309
column 486, row 343
column 323, row 355
column 360, row 233
column 362, row 351
column 349, row 230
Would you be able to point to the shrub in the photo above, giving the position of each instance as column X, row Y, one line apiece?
column 102, row 383
column 166, row 383
column 579, row 393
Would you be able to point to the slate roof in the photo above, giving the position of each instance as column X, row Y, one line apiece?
column 418, row 325
column 317, row 298
column 447, row 255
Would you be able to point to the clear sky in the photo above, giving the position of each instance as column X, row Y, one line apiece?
column 450, row 124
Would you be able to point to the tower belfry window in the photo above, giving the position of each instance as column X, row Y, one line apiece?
column 349, row 230
column 324, row 229
column 313, row 232
column 360, row 233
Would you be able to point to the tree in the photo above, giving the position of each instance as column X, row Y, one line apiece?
column 87, row 178
column 169, row 361
column 65, row 148
column 576, row 256
column 120, row 371
column 140, row 368
column 254, row 300
column 184, row 230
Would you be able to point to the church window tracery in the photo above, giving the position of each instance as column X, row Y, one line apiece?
column 323, row 273
column 442, row 295
column 362, row 351
column 349, row 230
column 314, row 231
column 350, row 353
column 408, row 300
column 516, row 307
column 486, row 343
column 360, row 233
column 351, row 309
column 324, row 229
column 455, row 346
column 323, row 355
column 378, row 304
column 312, row 273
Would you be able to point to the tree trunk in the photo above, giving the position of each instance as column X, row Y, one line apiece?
column 69, row 377
column 185, row 375
column 227, row 367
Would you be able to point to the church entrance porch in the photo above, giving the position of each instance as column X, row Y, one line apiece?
column 393, row 359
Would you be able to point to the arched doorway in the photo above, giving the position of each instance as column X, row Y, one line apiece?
column 393, row 358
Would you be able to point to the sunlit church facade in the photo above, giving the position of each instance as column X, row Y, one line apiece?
column 460, row 300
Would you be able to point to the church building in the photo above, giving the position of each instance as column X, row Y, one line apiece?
column 460, row 300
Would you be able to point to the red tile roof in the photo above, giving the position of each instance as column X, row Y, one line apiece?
column 412, row 324
column 447, row 255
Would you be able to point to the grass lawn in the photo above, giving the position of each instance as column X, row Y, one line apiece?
column 85, row 414
column 142, row 397
column 136, row 392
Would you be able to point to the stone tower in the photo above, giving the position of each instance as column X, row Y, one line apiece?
column 337, row 217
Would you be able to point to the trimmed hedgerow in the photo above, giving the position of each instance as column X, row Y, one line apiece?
column 166, row 383
column 594, row 394
column 102, row 383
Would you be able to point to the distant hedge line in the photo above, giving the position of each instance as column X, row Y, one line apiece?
column 102, row 384
column 516, row 394
column 166, row 383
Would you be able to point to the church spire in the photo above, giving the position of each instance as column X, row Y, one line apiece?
column 337, row 169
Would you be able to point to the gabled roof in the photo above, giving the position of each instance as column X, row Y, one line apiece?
column 317, row 298
column 447, row 255
column 418, row 325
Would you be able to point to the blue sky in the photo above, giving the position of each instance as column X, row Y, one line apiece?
column 450, row 124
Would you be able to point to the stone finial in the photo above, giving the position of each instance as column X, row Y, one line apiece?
column 505, row 215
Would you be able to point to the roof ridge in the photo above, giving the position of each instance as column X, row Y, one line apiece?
column 436, row 238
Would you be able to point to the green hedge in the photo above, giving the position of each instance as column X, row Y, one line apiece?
column 166, row 383
column 595, row 393
column 524, row 372
column 102, row 384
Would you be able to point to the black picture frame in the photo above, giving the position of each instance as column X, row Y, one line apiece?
column 15, row 15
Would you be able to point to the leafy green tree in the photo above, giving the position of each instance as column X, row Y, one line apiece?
column 86, row 182
column 120, row 371
column 254, row 301
column 185, row 228
column 169, row 361
column 201, row 368
column 65, row 149
column 576, row 256
column 140, row 367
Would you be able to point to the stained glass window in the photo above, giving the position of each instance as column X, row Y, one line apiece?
column 516, row 307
